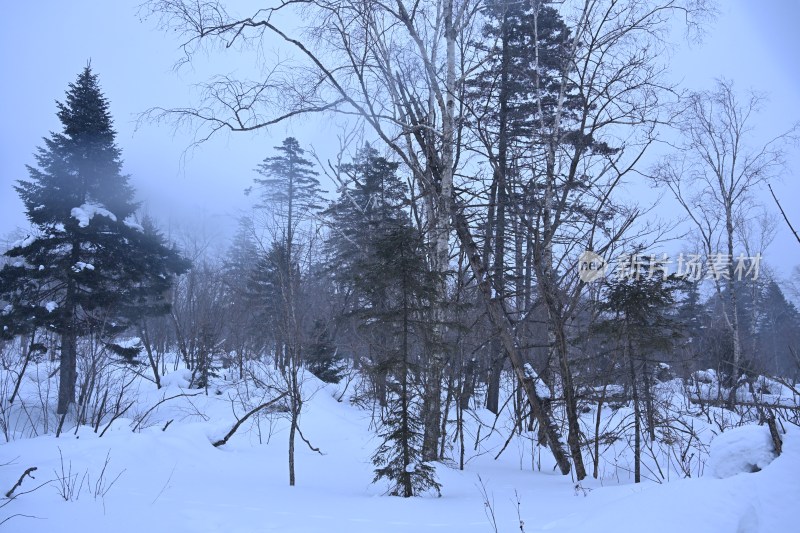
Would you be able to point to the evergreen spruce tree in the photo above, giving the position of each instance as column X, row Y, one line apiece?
column 514, row 101
column 88, row 268
column 691, row 314
column 242, row 338
column 639, row 321
column 777, row 332
column 290, row 190
column 270, row 285
column 369, row 205
column 521, row 81
column 289, row 187
column 397, row 271
column 321, row 356
column 372, row 198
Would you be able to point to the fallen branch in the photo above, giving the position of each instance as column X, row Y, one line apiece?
column 117, row 415
column 241, row 421
column 777, row 442
column 16, row 515
column 757, row 405
column 19, row 482
column 312, row 448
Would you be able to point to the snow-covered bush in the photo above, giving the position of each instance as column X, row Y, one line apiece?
column 743, row 449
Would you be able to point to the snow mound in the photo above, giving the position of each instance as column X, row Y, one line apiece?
column 179, row 378
column 743, row 449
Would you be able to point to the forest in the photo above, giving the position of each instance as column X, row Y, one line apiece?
column 469, row 264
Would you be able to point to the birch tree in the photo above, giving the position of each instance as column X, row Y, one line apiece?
column 715, row 175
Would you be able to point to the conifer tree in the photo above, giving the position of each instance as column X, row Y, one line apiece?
column 290, row 190
column 242, row 309
column 88, row 267
column 640, row 321
column 270, row 284
column 321, row 355
column 525, row 45
column 369, row 205
column 396, row 271
column 778, row 332
column 372, row 199
column 289, row 187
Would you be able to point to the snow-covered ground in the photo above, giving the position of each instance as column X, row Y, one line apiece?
column 175, row 480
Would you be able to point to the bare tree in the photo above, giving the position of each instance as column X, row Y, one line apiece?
column 714, row 175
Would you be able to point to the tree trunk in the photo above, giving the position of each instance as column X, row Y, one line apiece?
column 408, row 487
column 637, row 418
column 467, row 385
column 144, row 332
column 26, row 358
column 68, row 374
column 292, row 431
column 570, row 401
column 648, row 402
column 441, row 218
column 495, row 371
column 733, row 321
column 500, row 320
column 499, row 200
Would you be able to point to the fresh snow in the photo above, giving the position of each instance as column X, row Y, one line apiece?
column 133, row 225
column 85, row 213
column 173, row 480
column 129, row 342
column 541, row 389
column 51, row 306
column 80, row 266
column 22, row 243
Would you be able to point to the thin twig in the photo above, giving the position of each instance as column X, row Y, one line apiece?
column 796, row 236
column 145, row 415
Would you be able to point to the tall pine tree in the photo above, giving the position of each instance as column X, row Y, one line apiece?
column 369, row 205
column 88, row 268
column 371, row 200
column 289, row 187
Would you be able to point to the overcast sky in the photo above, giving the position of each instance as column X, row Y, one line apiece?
column 46, row 43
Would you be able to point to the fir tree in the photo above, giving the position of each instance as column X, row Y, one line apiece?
column 88, row 267
column 321, row 356
column 369, row 205
column 396, row 270
column 777, row 332
column 242, row 339
column 289, row 187
column 372, row 199
column 274, row 281
column 526, row 50
column 639, row 321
